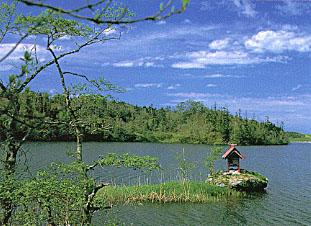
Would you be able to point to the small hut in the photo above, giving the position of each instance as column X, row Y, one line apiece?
column 233, row 157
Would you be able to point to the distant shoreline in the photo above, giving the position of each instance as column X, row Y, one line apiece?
column 145, row 142
column 299, row 142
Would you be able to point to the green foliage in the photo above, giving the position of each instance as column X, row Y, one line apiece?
column 184, row 166
column 51, row 23
column 7, row 12
column 48, row 198
column 115, row 10
column 8, row 186
column 185, row 3
column 63, row 193
column 107, row 120
column 214, row 154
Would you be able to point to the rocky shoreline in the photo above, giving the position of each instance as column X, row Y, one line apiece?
column 241, row 181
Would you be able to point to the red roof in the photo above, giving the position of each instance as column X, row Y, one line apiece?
column 232, row 149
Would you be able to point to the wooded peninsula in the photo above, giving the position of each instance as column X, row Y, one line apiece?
column 110, row 120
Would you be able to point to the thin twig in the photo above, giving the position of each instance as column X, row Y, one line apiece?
column 157, row 16
column 14, row 47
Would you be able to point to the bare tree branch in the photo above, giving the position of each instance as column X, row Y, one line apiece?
column 35, row 73
column 91, row 196
column 14, row 47
column 89, row 6
column 2, row 86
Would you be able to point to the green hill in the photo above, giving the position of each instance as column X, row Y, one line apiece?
column 108, row 120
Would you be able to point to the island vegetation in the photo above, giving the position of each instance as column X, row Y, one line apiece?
column 244, row 181
column 174, row 191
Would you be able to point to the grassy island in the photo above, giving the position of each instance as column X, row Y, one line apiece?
column 176, row 191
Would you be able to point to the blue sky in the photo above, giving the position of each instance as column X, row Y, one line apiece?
column 242, row 54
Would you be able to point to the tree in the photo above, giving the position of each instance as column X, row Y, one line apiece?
column 86, row 24
column 213, row 155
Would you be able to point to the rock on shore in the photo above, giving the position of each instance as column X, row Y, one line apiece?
column 243, row 181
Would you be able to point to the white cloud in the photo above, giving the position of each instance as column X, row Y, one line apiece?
column 215, row 76
column 210, row 85
column 192, row 95
column 149, row 64
column 18, row 53
column 161, row 22
column 222, row 76
column 141, row 62
column 148, row 85
column 200, row 59
column 124, row 64
column 219, row 44
column 187, row 65
column 172, row 87
column 186, row 30
column 110, row 31
column 65, row 37
column 296, row 87
column 246, row 7
column 52, row 91
column 279, row 41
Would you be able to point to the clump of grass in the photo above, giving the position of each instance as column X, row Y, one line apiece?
column 176, row 191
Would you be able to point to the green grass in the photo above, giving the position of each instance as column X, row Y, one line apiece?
column 194, row 192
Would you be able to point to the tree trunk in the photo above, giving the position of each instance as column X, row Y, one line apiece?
column 9, row 171
column 79, row 138
column 11, row 146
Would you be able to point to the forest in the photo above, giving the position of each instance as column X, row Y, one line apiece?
column 110, row 120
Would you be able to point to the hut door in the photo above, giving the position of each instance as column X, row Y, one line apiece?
column 234, row 164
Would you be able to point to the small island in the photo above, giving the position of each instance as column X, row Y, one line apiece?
column 235, row 177
column 234, row 182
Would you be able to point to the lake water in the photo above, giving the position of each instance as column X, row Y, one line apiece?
column 286, row 202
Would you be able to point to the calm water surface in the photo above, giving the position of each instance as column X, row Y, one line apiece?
column 286, row 202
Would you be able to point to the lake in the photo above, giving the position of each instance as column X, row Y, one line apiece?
column 287, row 200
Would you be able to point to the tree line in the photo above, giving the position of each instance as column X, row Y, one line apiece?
column 110, row 120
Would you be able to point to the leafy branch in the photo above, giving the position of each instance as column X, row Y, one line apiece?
column 165, row 11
